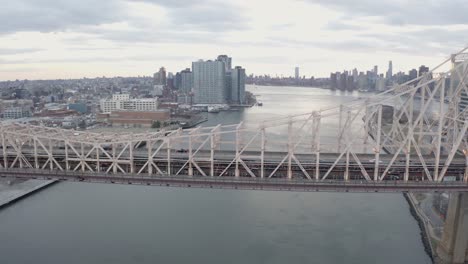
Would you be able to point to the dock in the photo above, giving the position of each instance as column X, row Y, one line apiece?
column 10, row 193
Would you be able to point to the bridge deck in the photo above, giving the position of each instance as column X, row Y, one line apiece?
column 242, row 183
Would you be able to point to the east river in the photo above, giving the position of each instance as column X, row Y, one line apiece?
column 99, row 223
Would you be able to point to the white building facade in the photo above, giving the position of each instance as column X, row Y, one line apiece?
column 123, row 102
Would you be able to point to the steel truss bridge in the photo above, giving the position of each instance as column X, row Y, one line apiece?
column 413, row 137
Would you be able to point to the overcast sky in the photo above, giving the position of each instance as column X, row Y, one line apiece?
column 48, row 39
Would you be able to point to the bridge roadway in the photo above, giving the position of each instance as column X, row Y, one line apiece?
column 279, row 181
column 242, row 183
column 270, row 156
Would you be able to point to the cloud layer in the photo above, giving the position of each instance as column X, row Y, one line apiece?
column 132, row 37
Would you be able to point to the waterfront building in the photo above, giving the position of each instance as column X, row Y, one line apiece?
column 343, row 81
column 123, row 102
column 228, row 85
column 333, row 81
column 138, row 118
column 238, row 85
column 355, row 75
column 15, row 112
column 350, row 83
column 209, row 85
column 380, row 84
column 227, row 62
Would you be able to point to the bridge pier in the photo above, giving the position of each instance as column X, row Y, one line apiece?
column 453, row 245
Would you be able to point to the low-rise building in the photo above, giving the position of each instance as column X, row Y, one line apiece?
column 123, row 102
column 78, row 107
column 15, row 112
column 138, row 118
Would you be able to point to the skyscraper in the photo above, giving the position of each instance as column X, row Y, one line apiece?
column 455, row 82
column 228, row 84
column 376, row 70
column 238, row 85
column 355, row 75
column 209, row 85
column 296, row 73
column 333, row 81
column 227, row 62
column 177, row 80
column 413, row 74
column 186, row 81
column 160, row 77
column 390, row 71
column 423, row 69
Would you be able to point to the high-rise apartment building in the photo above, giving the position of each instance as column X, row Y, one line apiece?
column 355, row 75
column 227, row 62
column 177, row 80
column 296, row 73
column 160, row 77
column 463, row 101
column 186, row 82
column 455, row 82
column 238, row 85
column 209, row 84
column 333, row 81
column 413, row 74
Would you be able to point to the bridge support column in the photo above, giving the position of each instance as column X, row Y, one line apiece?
column 453, row 246
column 465, row 177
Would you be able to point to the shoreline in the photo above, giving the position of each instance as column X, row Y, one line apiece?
column 423, row 228
column 17, row 193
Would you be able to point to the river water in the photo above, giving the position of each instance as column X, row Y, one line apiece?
column 99, row 223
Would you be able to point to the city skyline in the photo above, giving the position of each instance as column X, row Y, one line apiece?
column 133, row 37
column 288, row 74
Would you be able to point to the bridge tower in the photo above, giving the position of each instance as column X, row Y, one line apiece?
column 453, row 247
column 454, row 244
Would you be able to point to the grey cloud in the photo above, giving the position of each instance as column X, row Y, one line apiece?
column 56, row 15
column 112, row 59
column 172, row 3
column 282, row 26
column 13, row 51
column 155, row 36
column 416, row 12
column 61, row 15
column 428, row 41
column 279, row 59
column 416, row 43
column 339, row 25
column 205, row 15
column 21, row 69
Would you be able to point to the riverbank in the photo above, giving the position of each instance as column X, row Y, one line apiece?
column 423, row 225
column 17, row 191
